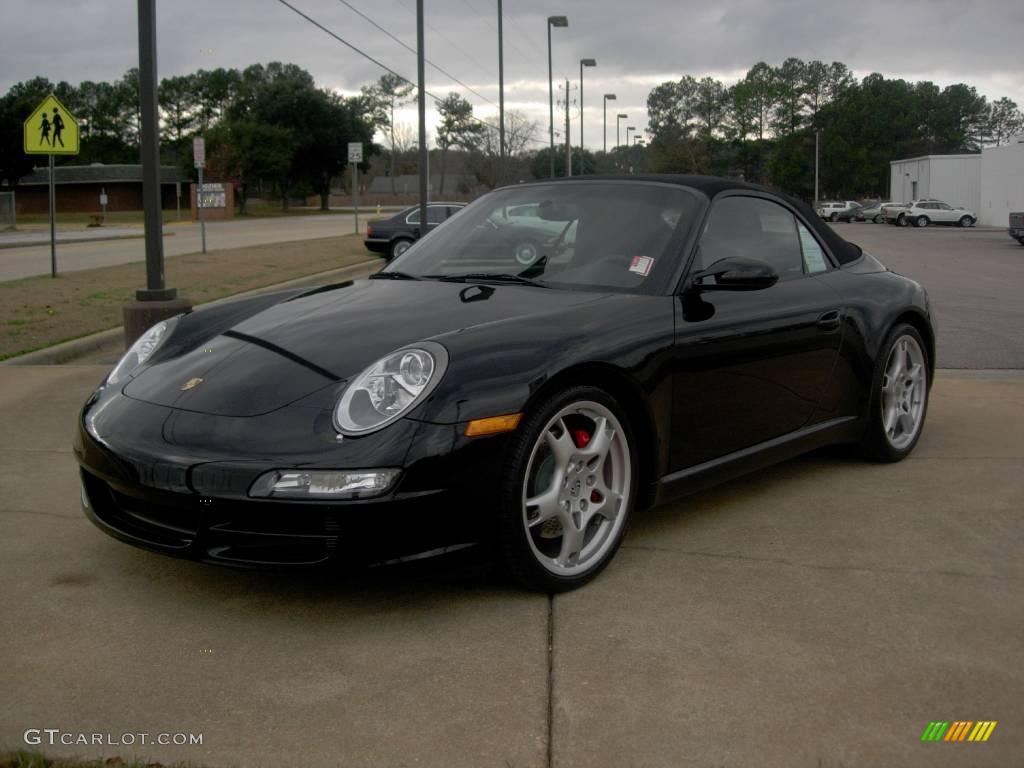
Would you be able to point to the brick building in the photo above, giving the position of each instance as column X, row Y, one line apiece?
column 78, row 188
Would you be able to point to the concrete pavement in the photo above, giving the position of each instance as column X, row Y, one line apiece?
column 16, row 263
column 816, row 614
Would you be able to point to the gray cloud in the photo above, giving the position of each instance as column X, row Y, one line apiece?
column 637, row 44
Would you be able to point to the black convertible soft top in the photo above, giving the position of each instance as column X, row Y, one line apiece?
column 844, row 251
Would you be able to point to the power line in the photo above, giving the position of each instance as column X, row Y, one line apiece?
column 367, row 56
column 448, row 40
column 413, row 50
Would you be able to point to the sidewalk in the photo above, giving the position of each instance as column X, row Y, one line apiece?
column 36, row 237
column 819, row 613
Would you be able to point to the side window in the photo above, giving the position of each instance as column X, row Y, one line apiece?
column 414, row 217
column 752, row 228
column 436, row 214
column 814, row 257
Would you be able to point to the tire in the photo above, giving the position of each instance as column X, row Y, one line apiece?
column 878, row 219
column 921, row 221
column 897, row 409
column 966, row 221
column 1020, row 240
column 834, row 217
column 901, row 220
column 397, row 247
column 590, row 485
column 526, row 252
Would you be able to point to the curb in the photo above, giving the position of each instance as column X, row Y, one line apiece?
column 68, row 351
column 72, row 241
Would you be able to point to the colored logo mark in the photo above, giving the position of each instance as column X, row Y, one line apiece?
column 959, row 730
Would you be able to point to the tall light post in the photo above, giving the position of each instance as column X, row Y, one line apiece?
column 628, row 129
column 618, row 119
column 604, row 141
column 553, row 21
column 501, row 100
column 583, row 63
column 817, row 135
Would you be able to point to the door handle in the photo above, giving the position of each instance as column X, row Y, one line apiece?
column 829, row 321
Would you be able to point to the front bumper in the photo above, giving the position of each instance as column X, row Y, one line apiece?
column 191, row 504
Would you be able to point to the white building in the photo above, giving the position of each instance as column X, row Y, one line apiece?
column 1002, row 183
column 990, row 184
column 954, row 179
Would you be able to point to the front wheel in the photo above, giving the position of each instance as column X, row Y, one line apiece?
column 899, row 396
column 966, row 221
column 834, row 217
column 571, row 485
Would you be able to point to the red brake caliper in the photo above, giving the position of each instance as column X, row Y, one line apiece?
column 582, row 438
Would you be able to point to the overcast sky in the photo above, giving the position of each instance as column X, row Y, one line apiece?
column 637, row 44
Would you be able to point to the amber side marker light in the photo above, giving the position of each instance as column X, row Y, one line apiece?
column 493, row 425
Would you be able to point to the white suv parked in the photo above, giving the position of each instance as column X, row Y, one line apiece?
column 831, row 209
column 924, row 212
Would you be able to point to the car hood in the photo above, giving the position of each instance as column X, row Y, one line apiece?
column 320, row 339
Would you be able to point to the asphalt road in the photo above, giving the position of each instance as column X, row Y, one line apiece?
column 817, row 614
column 975, row 279
column 16, row 263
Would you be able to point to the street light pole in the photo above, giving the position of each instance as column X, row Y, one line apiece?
column 604, row 140
column 422, row 105
column 817, row 134
column 583, row 63
column 553, row 21
column 628, row 129
column 501, row 100
column 568, row 136
column 618, row 118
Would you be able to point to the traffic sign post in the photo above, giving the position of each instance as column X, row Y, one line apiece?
column 51, row 130
column 199, row 158
column 355, row 156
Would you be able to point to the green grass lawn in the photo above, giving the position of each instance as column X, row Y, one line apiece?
column 38, row 312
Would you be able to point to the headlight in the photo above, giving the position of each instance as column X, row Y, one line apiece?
column 390, row 387
column 141, row 350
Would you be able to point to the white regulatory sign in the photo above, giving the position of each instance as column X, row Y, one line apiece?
column 199, row 152
column 355, row 151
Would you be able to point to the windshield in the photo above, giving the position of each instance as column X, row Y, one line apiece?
column 600, row 235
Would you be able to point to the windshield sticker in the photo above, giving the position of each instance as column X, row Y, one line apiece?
column 641, row 265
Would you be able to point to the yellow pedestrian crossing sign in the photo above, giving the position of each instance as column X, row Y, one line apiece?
column 51, row 130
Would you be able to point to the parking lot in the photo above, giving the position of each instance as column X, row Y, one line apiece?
column 820, row 613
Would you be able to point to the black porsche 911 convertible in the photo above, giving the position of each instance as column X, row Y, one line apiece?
column 671, row 332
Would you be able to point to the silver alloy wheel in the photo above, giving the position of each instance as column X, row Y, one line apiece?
column 966, row 221
column 904, row 391
column 401, row 247
column 921, row 221
column 576, row 486
column 526, row 253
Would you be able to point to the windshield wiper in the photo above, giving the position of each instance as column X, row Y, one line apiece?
column 393, row 275
column 485, row 277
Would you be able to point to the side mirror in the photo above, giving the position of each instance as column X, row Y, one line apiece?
column 736, row 274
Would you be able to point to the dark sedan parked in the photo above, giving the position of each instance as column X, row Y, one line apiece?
column 393, row 236
column 673, row 332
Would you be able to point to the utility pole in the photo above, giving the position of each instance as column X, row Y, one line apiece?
column 568, row 138
column 501, row 101
column 156, row 301
column 817, row 134
column 424, row 166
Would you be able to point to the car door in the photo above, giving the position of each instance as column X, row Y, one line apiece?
column 752, row 365
column 944, row 213
column 435, row 215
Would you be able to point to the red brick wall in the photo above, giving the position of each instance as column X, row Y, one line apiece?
column 85, row 198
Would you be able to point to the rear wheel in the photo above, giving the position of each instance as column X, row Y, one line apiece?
column 878, row 219
column 899, row 397
column 398, row 247
column 966, row 221
column 834, row 217
column 901, row 220
column 921, row 221
column 566, row 500
column 1020, row 240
